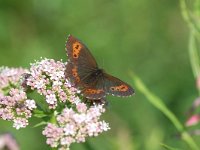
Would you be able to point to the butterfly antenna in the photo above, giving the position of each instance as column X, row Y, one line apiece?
column 103, row 63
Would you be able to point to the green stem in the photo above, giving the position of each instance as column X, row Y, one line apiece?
column 158, row 103
column 185, row 13
column 194, row 57
column 53, row 118
column 193, row 53
column 194, row 36
column 188, row 17
column 168, row 147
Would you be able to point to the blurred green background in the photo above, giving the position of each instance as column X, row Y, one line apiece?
column 149, row 38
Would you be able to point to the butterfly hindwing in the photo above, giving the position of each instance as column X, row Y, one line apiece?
column 93, row 93
column 91, row 86
column 94, row 87
column 116, row 87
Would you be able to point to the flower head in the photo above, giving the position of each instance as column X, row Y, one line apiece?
column 48, row 79
column 73, row 121
column 74, row 125
column 10, row 76
column 76, row 121
column 14, row 104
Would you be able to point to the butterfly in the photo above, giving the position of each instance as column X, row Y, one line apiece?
column 83, row 72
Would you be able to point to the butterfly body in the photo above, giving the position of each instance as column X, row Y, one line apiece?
column 93, row 78
column 83, row 72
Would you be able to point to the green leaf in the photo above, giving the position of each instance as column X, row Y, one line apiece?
column 40, row 124
column 39, row 114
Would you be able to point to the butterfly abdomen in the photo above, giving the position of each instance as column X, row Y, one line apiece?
column 93, row 77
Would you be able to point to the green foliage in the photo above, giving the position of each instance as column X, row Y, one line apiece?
column 147, row 37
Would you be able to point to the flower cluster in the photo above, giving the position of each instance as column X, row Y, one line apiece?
column 75, row 125
column 14, row 105
column 71, row 120
column 76, row 120
column 10, row 76
column 47, row 77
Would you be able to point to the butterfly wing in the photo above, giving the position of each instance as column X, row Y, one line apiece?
column 81, row 62
column 116, row 87
column 81, row 71
column 94, row 87
column 71, row 73
column 79, row 54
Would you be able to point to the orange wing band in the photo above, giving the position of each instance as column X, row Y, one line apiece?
column 76, row 49
column 122, row 88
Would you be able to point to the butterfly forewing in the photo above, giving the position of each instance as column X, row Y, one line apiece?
column 81, row 63
column 79, row 54
column 71, row 73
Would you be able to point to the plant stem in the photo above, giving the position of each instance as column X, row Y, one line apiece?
column 194, row 36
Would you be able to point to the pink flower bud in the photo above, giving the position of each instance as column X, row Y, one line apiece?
column 193, row 120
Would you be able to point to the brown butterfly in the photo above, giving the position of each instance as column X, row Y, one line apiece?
column 83, row 72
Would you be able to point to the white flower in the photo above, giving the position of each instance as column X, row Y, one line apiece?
column 60, row 74
column 20, row 123
column 104, row 126
column 57, row 83
column 69, row 129
column 66, row 140
column 51, row 99
column 30, row 104
column 92, row 128
column 79, row 118
column 39, row 84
